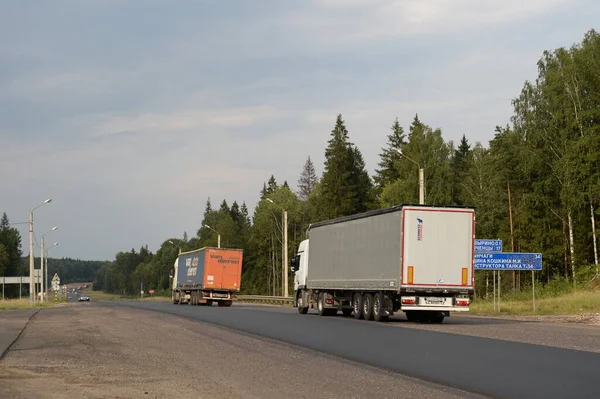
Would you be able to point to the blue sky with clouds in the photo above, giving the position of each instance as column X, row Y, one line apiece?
column 129, row 114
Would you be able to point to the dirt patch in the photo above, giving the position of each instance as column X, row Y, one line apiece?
column 584, row 318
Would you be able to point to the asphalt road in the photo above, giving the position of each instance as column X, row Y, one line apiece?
column 492, row 367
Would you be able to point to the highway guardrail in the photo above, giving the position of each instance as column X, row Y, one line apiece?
column 278, row 300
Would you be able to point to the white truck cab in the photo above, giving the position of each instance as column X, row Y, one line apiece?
column 299, row 266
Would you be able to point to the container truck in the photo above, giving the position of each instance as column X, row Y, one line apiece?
column 207, row 275
column 417, row 259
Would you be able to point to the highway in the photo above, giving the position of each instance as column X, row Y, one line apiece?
column 492, row 367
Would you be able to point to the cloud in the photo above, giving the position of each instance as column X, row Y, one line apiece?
column 357, row 22
column 187, row 120
column 130, row 124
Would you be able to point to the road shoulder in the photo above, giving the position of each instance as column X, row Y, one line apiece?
column 12, row 323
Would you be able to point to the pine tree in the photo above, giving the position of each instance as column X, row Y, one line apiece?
column 308, row 180
column 245, row 214
column 224, row 207
column 271, row 185
column 460, row 167
column 185, row 236
column 235, row 212
column 346, row 186
column 365, row 198
column 285, row 184
column 208, row 208
column 263, row 192
column 388, row 170
column 10, row 238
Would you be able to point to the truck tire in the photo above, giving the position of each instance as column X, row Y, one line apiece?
column 300, row 303
column 368, row 306
column 321, row 305
column 412, row 315
column 357, row 305
column 378, row 307
column 225, row 303
column 434, row 317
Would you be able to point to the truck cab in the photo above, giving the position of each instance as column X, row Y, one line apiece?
column 299, row 266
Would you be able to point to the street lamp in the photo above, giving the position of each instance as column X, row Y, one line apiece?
column 285, row 247
column 42, row 285
column 421, row 178
column 176, row 246
column 46, row 267
column 218, row 235
column 31, row 266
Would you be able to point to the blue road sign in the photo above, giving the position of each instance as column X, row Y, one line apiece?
column 488, row 245
column 508, row 261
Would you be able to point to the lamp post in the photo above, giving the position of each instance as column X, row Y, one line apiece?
column 31, row 265
column 218, row 235
column 44, row 287
column 178, row 247
column 46, row 267
column 285, row 248
column 421, row 178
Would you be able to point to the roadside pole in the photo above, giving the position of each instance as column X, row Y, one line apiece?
column 533, row 289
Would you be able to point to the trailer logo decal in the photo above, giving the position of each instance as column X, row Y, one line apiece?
column 419, row 229
column 220, row 259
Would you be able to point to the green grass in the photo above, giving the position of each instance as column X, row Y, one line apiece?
column 24, row 303
column 570, row 303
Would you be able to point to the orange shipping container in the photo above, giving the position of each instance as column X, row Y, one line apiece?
column 223, row 269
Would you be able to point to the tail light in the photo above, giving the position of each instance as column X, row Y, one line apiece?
column 462, row 302
column 408, row 301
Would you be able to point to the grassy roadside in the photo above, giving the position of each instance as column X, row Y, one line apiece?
column 573, row 303
column 24, row 303
column 549, row 301
column 103, row 296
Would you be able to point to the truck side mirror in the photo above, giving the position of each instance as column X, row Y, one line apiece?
column 293, row 263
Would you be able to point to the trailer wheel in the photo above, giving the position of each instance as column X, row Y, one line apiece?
column 225, row 303
column 412, row 315
column 357, row 304
column 434, row 317
column 368, row 306
column 378, row 307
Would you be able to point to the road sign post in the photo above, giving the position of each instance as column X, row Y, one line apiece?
column 507, row 261
column 498, row 261
column 486, row 245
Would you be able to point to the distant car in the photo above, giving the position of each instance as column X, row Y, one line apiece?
column 84, row 298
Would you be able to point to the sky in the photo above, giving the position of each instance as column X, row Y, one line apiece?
column 131, row 114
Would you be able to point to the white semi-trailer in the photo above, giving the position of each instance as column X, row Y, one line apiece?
column 412, row 258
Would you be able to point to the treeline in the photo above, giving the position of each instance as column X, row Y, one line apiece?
column 536, row 186
column 12, row 262
column 10, row 254
column 69, row 270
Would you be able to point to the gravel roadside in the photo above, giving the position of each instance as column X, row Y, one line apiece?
column 568, row 335
column 91, row 351
column 13, row 322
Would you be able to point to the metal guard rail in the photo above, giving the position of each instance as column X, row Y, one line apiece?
column 265, row 299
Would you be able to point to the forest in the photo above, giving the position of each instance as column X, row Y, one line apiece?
column 535, row 185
